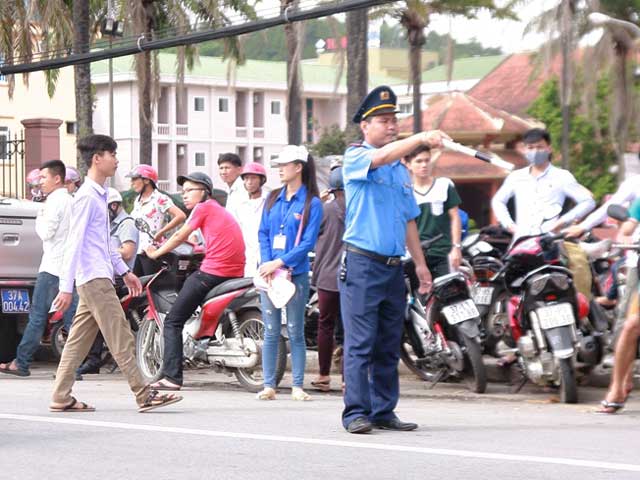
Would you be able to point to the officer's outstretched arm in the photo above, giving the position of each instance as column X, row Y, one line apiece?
column 400, row 148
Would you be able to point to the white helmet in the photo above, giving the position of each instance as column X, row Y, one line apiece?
column 114, row 196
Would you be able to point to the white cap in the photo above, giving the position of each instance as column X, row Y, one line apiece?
column 114, row 196
column 291, row 153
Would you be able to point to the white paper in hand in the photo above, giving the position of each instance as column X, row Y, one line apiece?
column 281, row 291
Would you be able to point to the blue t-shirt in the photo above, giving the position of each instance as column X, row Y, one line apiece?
column 379, row 202
column 284, row 218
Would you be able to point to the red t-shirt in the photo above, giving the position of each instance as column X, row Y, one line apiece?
column 224, row 246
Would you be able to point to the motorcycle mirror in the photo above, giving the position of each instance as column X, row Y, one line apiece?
column 618, row 212
column 470, row 240
column 142, row 225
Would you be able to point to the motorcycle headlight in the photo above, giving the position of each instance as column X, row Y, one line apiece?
column 536, row 286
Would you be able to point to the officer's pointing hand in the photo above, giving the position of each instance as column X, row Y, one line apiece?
column 424, row 276
column 434, row 138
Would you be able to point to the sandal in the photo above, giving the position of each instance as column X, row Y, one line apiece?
column 267, row 394
column 165, row 385
column 300, row 395
column 322, row 386
column 73, row 406
column 17, row 372
column 610, row 408
column 157, row 400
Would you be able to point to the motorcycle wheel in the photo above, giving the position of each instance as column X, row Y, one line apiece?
column 252, row 326
column 58, row 339
column 409, row 358
column 568, row 384
column 477, row 379
column 149, row 350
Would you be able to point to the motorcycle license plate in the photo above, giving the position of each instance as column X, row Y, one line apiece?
column 482, row 295
column 15, row 300
column 459, row 312
column 554, row 316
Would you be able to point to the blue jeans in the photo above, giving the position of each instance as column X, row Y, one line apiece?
column 44, row 293
column 295, row 327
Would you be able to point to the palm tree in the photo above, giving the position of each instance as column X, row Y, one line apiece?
column 414, row 15
column 357, row 66
column 293, row 34
column 81, row 44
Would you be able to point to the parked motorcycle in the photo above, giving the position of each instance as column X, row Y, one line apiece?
column 442, row 331
column 225, row 333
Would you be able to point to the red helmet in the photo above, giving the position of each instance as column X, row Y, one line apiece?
column 254, row 168
column 144, row 171
column 72, row 176
column 33, row 178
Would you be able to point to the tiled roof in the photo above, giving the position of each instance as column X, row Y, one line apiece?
column 514, row 84
column 459, row 166
column 251, row 71
column 464, row 117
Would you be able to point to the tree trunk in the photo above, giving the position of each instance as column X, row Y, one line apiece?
column 84, row 111
column 416, row 40
column 294, row 81
column 357, row 67
column 144, row 114
column 620, row 114
column 566, row 80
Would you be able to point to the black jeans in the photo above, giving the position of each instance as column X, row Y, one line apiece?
column 193, row 291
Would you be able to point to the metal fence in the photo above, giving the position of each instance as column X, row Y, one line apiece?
column 12, row 167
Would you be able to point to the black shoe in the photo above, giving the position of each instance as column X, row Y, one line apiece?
column 394, row 424
column 87, row 368
column 359, row 425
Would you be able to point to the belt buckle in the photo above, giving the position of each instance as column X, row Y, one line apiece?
column 391, row 261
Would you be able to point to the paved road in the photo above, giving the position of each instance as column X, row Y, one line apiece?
column 222, row 432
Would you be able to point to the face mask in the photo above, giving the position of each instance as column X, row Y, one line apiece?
column 537, row 157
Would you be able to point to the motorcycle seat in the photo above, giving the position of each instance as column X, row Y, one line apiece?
column 596, row 250
column 229, row 286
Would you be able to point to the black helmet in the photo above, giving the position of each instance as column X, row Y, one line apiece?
column 198, row 177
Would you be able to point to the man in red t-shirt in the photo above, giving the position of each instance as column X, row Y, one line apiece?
column 224, row 259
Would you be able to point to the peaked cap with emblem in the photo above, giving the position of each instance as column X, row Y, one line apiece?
column 379, row 100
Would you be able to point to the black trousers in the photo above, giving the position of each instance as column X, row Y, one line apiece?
column 194, row 290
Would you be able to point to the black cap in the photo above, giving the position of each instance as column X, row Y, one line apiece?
column 379, row 100
column 197, row 177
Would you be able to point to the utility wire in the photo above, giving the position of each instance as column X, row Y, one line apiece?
column 135, row 44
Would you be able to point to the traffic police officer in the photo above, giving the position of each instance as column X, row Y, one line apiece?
column 380, row 221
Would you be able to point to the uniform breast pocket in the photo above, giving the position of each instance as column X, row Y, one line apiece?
column 437, row 208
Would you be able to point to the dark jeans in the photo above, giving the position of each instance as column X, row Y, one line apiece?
column 438, row 266
column 192, row 294
column 329, row 306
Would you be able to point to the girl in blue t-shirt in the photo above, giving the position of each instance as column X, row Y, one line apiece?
column 288, row 232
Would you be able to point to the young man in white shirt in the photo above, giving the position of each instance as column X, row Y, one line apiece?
column 230, row 168
column 540, row 191
column 52, row 226
column 248, row 213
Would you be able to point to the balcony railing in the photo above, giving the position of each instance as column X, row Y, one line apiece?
column 182, row 130
column 258, row 132
column 163, row 129
column 241, row 132
column 164, row 185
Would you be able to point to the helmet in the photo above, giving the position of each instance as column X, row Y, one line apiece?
column 33, row 178
column 197, row 177
column 335, row 179
column 114, row 196
column 144, row 171
column 72, row 175
column 254, row 168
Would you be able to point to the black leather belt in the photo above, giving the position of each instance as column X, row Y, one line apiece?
column 391, row 261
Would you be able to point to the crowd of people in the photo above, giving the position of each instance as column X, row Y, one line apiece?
column 382, row 201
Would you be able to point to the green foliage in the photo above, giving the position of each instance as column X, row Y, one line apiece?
column 331, row 142
column 591, row 152
column 394, row 36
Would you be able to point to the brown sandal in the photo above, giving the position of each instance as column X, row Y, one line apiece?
column 71, row 407
column 165, row 385
column 157, row 400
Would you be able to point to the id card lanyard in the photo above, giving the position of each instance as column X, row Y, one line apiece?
column 280, row 240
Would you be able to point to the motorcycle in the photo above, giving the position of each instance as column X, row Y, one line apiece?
column 544, row 313
column 441, row 337
column 226, row 332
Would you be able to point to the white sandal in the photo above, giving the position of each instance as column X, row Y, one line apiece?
column 267, row 394
column 300, row 395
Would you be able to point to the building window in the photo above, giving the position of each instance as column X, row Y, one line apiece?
column 200, row 159
column 223, row 104
column 242, row 153
column 4, row 139
column 309, row 120
column 71, row 128
column 406, row 108
column 198, row 104
column 258, row 152
column 275, row 107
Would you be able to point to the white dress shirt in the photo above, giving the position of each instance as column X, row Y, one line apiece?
column 52, row 226
column 539, row 200
column 236, row 195
column 248, row 214
column 628, row 191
